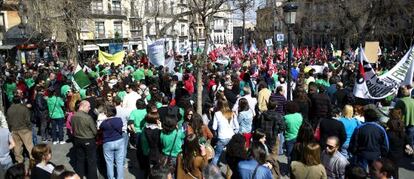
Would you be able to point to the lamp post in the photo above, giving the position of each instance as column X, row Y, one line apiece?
column 289, row 10
column 192, row 37
column 174, row 35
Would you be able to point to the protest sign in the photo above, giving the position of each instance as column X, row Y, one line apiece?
column 371, row 51
column 156, row 52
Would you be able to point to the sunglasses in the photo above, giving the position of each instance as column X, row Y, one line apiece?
column 330, row 147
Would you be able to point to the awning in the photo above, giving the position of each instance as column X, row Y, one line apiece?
column 90, row 47
column 6, row 47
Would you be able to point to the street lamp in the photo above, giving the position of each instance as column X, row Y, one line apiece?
column 192, row 37
column 289, row 10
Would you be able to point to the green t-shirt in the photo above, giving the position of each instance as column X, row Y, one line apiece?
column 121, row 95
column 158, row 104
column 54, row 105
column 10, row 88
column 138, row 116
column 293, row 123
column 138, row 75
column 167, row 142
column 29, row 82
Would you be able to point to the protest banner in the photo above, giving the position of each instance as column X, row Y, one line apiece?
column 117, row 58
column 370, row 86
column 156, row 52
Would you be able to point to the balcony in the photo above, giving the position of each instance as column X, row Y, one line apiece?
column 112, row 14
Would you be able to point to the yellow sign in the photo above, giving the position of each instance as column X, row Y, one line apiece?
column 117, row 58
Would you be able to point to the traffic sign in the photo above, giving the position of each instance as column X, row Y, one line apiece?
column 280, row 37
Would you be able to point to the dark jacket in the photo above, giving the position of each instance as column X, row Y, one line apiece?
column 112, row 129
column 331, row 127
column 281, row 103
column 271, row 122
column 154, row 144
column 40, row 107
column 321, row 106
column 369, row 141
column 38, row 172
column 231, row 97
column 18, row 117
column 83, row 126
column 397, row 146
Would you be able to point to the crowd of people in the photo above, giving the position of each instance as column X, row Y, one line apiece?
column 246, row 124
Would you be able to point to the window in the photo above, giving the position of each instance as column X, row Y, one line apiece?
column 118, row 28
column 116, row 6
column 100, row 29
column 97, row 7
column 135, row 25
column 182, row 29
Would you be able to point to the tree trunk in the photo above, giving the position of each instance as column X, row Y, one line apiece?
column 202, row 62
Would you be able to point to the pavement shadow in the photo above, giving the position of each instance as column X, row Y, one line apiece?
column 71, row 156
column 133, row 164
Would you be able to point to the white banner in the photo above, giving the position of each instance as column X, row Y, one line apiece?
column 156, row 52
column 370, row 86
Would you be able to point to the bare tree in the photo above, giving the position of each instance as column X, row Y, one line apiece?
column 50, row 17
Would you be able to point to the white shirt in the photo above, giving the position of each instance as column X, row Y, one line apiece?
column 224, row 128
column 252, row 103
column 123, row 113
column 130, row 100
column 179, row 75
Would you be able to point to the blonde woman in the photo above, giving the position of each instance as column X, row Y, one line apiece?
column 350, row 124
column 225, row 124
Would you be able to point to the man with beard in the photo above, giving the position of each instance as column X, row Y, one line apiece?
column 333, row 160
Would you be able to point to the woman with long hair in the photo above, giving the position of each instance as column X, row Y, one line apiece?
column 197, row 127
column 398, row 141
column 350, row 124
column 236, row 151
column 226, row 125
column 310, row 166
column 193, row 159
column 302, row 99
column 40, row 165
column 305, row 136
column 245, row 119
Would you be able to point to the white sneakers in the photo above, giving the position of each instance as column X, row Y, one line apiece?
column 57, row 142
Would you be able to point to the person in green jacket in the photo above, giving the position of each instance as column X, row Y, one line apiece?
column 293, row 120
column 55, row 106
column 10, row 88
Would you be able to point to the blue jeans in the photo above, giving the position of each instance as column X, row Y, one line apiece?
column 34, row 134
column 289, row 147
column 125, row 137
column 114, row 151
column 410, row 134
column 57, row 129
column 221, row 143
column 281, row 142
